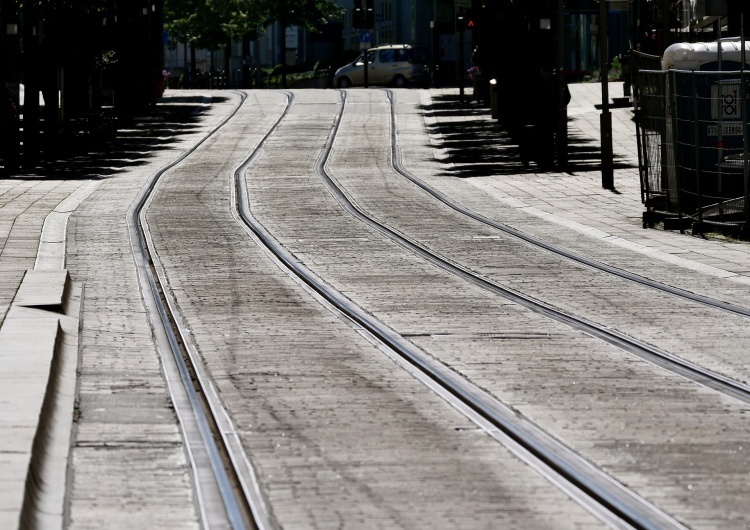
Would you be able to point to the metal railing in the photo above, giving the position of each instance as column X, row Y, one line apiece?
column 693, row 135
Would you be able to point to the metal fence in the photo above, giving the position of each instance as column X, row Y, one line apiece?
column 693, row 148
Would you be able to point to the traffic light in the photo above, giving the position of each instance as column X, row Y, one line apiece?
column 370, row 14
column 470, row 19
column 363, row 16
column 466, row 20
column 358, row 15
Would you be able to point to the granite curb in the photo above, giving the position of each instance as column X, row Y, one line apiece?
column 38, row 351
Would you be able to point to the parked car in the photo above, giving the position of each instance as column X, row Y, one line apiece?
column 398, row 65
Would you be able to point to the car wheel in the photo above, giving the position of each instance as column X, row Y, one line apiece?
column 399, row 81
column 345, row 82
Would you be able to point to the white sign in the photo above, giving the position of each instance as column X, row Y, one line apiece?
column 727, row 99
column 727, row 129
column 365, row 40
column 462, row 4
column 291, row 37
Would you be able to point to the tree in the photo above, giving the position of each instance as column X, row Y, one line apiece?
column 311, row 15
column 197, row 21
column 53, row 40
column 210, row 23
column 239, row 17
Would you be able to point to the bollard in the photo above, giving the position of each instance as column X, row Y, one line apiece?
column 494, row 111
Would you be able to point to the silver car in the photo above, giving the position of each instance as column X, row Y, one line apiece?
column 398, row 65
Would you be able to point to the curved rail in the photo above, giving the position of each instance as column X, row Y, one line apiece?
column 626, row 508
column 596, row 491
column 207, row 428
column 644, row 351
column 578, row 258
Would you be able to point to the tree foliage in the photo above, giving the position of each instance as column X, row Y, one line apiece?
column 208, row 23
column 309, row 14
column 195, row 21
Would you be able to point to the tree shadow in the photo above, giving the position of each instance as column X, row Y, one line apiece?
column 83, row 155
column 482, row 147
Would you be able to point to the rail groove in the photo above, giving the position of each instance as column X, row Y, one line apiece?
column 603, row 496
column 227, row 493
column 651, row 354
column 555, row 249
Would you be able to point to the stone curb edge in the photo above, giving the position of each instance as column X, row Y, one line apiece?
column 39, row 356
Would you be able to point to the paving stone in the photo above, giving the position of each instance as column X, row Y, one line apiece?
column 339, row 434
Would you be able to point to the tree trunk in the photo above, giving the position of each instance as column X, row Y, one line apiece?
column 282, row 47
column 227, row 62
column 192, row 65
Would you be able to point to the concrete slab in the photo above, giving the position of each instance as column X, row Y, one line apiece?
column 45, row 289
column 38, row 353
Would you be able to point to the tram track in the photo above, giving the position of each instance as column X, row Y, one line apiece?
column 647, row 352
column 599, row 493
column 174, row 322
column 656, row 356
column 398, row 166
column 227, row 491
column 603, row 496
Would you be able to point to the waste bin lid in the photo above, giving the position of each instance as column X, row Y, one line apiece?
column 691, row 55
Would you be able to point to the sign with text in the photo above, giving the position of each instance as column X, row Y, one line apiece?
column 365, row 40
column 727, row 129
column 725, row 97
column 291, row 37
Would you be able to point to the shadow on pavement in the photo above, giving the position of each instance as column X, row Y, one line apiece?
column 81, row 155
column 481, row 147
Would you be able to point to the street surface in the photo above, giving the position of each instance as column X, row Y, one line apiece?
column 338, row 430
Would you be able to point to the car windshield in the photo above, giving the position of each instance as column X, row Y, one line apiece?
column 359, row 61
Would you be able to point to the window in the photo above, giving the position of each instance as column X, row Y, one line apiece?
column 386, row 56
column 360, row 60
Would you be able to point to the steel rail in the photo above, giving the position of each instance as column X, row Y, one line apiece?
column 215, row 439
column 604, row 496
column 644, row 351
column 561, row 251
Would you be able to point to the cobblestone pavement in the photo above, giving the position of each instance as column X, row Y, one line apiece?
column 301, row 383
column 326, row 456
column 571, row 205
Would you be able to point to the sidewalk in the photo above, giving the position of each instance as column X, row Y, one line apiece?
column 577, row 205
column 39, row 308
column 40, row 329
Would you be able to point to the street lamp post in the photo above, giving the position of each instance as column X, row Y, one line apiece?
column 461, row 27
column 562, row 103
column 605, row 121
